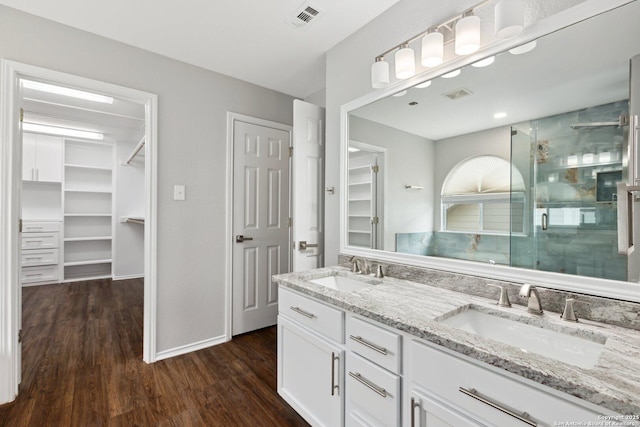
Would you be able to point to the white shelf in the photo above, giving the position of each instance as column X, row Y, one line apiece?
column 359, row 200
column 82, row 278
column 79, row 166
column 87, row 190
column 87, row 214
column 87, row 239
column 88, row 262
column 359, row 168
column 351, row 184
column 359, row 232
column 359, row 216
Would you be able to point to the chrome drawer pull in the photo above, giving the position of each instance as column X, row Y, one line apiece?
column 524, row 417
column 304, row 313
column 33, row 274
column 414, row 405
column 33, row 257
column 382, row 392
column 334, row 386
column 366, row 343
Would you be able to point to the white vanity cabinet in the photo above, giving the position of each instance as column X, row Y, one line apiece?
column 311, row 358
column 446, row 389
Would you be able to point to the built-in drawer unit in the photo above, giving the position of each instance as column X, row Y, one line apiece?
column 40, row 240
column 490, row 396
column 315, row 315
column 375, row 343
column 373, row 394
column 40, row 257
column 47, row 273
column 40, row 227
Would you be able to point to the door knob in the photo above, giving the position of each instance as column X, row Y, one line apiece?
column 303, row 245
column 240, row 238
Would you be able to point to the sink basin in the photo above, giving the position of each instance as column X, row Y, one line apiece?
column 571, row 349
column 341, row 283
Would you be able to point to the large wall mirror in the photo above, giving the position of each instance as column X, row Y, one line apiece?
column 511, row 165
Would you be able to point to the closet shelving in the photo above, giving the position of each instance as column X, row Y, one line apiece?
column 360, row 201
column 88, row 207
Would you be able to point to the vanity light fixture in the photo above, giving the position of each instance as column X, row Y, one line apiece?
column 405, row 62
column 484, row 62
column 467, row 38
column 454, row 73
column 65, row 91
column 527, row 47
column 423, row 85
column 509, row 18
column 462, row 29
column 380, row 73
column 55, row 130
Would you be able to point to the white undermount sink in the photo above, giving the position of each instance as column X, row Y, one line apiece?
column 341, row 283
column 578, row 351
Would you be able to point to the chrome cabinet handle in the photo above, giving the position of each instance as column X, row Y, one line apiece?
column 303, row 245
column 545, row 221
column 304, row 313
column 524, row 417
column 414, row 405
column 362, row 380
column 240, row 238
column 334, row 386
column 368, row 344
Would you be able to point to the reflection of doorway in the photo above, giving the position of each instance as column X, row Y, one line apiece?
column 366, row 195
column 85, row 188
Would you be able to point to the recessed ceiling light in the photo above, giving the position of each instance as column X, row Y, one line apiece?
column 452, row 74
column 484, row 62
column 424, row 85
column 65, row 91
column 527, row 47
column 54, row 130
column 401, row 93
column 500, row 115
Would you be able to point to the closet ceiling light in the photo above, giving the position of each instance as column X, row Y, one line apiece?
column 500, row 115
column 54, row 130
column 353, row 150
column 509, row 18
column 65, row 91
column 467, row 35
column 405, row 62
column 380, row 73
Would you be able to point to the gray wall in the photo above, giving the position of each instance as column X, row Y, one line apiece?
column 192, row 118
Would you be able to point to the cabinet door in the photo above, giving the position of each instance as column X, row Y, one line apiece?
column 310, row 375
column 48, row 158
column 28, row 157
column 429, row 411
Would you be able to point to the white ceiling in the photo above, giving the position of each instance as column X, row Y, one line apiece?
column 246, row 39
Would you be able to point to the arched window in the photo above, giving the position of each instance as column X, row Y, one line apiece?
column 483, row 194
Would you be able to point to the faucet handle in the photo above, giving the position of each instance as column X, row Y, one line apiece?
column 569, row 314
column 504, row 295
column 379, row 272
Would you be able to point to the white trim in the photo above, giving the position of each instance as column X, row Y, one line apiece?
column 228, row 271
column 582, row 284
column 188, row 348
column 128, row 277
column 10, row 207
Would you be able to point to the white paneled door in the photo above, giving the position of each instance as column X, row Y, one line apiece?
column 260, row 223
column 307, row 185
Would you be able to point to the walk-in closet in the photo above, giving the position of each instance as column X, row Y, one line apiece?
column 83, row 186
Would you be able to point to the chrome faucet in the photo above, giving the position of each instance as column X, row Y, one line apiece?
column 528, row 291
column 355, row 266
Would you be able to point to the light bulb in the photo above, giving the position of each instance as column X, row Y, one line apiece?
column 509, row 18
column 467, row 35
column 380, row 73
column 432, row 49
column 405, row 62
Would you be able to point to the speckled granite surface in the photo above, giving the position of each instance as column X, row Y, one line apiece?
column 613, row 383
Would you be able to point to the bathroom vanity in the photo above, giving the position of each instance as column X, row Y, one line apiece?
column 358, row 350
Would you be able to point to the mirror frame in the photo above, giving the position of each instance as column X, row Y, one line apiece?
column 626, row 291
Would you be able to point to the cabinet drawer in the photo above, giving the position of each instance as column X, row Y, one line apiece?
column 373, row 394
column 39, row 257
column 448, row 376
column 40, row 226
column 317, row 316
column 374, row 343
column 40, row 240
column 45, row 274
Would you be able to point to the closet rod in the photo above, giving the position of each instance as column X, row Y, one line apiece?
column 136, row 151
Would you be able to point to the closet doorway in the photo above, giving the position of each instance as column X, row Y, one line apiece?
column 81, row 200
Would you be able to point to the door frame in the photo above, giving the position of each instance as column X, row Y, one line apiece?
column 10, row 179
column 231, row 119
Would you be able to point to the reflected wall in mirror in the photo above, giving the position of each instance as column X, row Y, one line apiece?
column 515, row 163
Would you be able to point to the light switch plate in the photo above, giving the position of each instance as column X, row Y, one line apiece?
column 179, row 192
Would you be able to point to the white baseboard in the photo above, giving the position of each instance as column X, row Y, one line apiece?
column 131, row 276
column 188, row 348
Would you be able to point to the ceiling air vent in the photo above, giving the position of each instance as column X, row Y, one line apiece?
column 457, row 94
column 304, row 16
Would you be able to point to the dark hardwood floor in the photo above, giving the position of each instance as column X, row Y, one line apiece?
column 82, row 366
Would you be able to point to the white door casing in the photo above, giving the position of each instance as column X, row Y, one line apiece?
column 307, row 185
column 261, row 216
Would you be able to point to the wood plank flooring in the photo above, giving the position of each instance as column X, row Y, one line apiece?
column 82, row 366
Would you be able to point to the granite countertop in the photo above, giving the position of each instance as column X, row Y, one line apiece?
column 613, row 383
